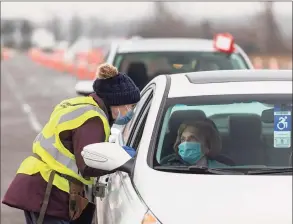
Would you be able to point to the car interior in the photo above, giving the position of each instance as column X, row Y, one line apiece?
column 145, row 66
column 247, row 139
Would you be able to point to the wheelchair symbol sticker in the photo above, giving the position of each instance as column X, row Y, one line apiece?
column 282, row 129
column 282, row 124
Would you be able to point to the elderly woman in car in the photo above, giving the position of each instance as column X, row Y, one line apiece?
column 198, row 143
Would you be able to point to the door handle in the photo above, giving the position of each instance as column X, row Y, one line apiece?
column 100, row 187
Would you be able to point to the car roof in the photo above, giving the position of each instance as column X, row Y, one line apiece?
column 166, row 44
column 231, row 82
column 238, row 76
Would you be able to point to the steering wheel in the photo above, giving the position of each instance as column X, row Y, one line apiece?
column 166, row 159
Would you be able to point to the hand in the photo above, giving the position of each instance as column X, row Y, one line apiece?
column 129, row 150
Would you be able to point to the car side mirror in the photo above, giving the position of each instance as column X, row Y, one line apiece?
column 84, row 87
column 107, row 156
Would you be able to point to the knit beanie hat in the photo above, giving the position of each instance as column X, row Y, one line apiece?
column 114, row 87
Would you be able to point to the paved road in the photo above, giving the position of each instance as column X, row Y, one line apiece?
column 28, row 94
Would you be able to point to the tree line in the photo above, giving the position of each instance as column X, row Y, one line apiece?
column 263, row 36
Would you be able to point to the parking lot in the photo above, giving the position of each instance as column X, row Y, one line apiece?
column 28, row 94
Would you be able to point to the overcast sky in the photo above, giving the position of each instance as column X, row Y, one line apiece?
column 113, row 11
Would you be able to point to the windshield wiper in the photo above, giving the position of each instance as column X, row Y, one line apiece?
column 214, row 170
column 271, row 171
column 196, row 170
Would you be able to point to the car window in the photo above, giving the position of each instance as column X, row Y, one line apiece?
column 179, row 62
column 244, row 131
column 137, row 111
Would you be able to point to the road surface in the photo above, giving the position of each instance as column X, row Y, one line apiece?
column 29, row 92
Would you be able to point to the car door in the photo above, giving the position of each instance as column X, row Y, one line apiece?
column 120, row 197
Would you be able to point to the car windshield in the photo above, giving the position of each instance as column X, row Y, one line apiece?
column 243, row 132
column 150, row 64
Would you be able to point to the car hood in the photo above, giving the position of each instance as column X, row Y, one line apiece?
column 218, row 199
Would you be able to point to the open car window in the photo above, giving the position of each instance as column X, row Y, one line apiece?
column 247, row 128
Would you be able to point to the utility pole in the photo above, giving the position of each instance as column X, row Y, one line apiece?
column 273, row 38
column 161, row 12
column 75, row 28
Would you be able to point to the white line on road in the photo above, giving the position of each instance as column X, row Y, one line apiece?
column 33, row 120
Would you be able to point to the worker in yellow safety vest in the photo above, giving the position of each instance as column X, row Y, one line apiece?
column 49, row 184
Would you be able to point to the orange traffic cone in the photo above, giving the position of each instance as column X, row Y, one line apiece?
column 273, row 63
column 258, row 63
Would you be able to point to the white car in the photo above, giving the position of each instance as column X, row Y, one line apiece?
column 252, row 111
column 145, row 58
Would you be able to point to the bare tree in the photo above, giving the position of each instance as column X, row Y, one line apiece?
column 75, row 28
column 206, row 29
column 55, row 26
column 272, row 38
column 93, row 29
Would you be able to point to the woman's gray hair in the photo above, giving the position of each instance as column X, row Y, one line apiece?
column 208, row 130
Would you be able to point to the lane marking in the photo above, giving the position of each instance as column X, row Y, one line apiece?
column 33, row 120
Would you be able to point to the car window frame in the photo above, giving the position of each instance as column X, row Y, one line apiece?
column 137, row 128
column 148, row 92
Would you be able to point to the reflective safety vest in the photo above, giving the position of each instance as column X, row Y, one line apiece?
column 68, row 115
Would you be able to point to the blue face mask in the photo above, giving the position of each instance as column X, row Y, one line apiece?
column 190, row 152
column 123, row 120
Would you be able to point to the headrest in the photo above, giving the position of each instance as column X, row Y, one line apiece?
column 267, row 116
column 136, row 67
column 180, row 116
column 137, row 71
column 245, row 127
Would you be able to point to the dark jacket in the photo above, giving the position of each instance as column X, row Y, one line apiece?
column 27, row 192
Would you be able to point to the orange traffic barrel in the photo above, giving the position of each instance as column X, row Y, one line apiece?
column 273, row 63
column 258, row 63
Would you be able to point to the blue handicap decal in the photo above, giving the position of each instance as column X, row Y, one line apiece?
column 282, row 127
column 282, row 120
